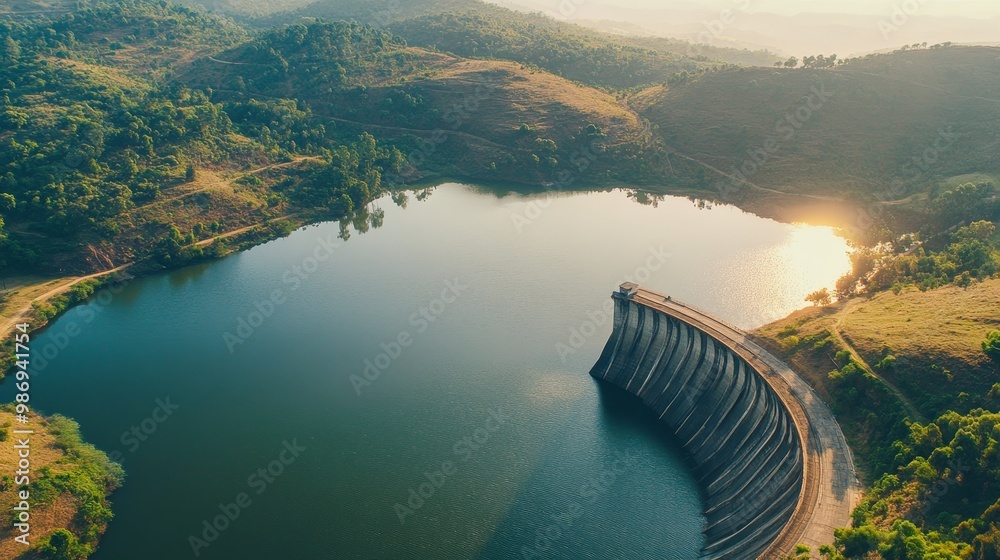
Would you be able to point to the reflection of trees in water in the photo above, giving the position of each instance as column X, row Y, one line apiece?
column 372, row 216
column 424, row 194
column 400, row 198
column 702, row 203
column 645, row 198
column 653, row 199
column 362, row 220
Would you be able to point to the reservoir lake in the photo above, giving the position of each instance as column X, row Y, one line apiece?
column 418, row 391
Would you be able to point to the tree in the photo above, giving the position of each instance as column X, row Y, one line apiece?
column 977, row 231
column 820, row 297
column 189, row 173
column 968, row 202
column 857, row 542
column 847, row 286
column 63, row 545
column 792, row 62
column 11, row 52
column 991, row 346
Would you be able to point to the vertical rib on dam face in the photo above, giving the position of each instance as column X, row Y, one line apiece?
column 746, row 441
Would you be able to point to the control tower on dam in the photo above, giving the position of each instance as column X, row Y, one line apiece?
column 772, row 463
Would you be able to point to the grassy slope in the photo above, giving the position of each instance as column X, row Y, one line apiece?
column 936, row 338
column 934, row 335
column 884, row 112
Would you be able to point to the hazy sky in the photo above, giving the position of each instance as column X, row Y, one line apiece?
column 790, row 26
column 967, row 8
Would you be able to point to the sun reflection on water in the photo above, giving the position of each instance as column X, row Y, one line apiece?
column 779, row 278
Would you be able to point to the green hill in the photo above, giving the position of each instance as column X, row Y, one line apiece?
column 109, row 158
column 530, row 39
column 146, row 37
column 893, row 127
column 482, row 119
column 475, row 29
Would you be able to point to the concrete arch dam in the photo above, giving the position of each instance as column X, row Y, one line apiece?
column 772, row 463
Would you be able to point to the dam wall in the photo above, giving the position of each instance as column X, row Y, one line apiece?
column 757, row 459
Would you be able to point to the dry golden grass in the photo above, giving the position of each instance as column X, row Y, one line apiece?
column 935, row 337
column 101, row 74
column 44, row 519
column 946, row 324
column 21, row 291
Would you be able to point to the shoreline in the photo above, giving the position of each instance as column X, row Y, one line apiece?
column 785, row 213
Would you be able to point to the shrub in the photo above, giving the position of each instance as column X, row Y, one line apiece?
column 991, row 346
column 63, row 545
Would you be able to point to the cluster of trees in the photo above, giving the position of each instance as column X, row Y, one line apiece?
column 283, row 125
column 81, row 152
column 940, row 499
column 960, row 255
column 812, row 61
column 971, row 255
column 319, row 58
column 350, row 178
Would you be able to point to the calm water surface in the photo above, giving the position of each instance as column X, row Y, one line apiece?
column 516, row 342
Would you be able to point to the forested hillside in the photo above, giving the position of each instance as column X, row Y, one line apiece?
column 102, row 164
column 885, row 128
column 588, row 60
column 475, row 29
column 130, row 128
column 145, row 37
column 483, row 119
